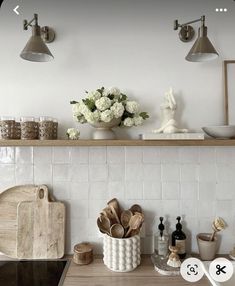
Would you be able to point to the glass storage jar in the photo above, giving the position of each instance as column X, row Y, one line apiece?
column 7, row 127
column 46, row 128
column 29, row 128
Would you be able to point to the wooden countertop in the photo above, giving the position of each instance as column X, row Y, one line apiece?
column 97, row 274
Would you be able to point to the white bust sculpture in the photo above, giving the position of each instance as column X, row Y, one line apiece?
column 168, row 109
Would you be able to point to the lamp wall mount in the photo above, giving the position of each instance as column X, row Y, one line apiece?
column 187, row 32
column 47, row 33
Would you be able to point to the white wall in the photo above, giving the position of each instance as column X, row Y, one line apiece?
column 128, row 43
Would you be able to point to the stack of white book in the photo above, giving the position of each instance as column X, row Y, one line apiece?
column 173, row 136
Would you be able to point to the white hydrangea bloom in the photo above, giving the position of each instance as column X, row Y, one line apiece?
column 83, row 108
column 115, row 91
column 92, row 117
column 106, row 92
column 73, row 133
column 107, row 116
column 129, row 122
column 103, row 103
column 76, row 109
column 96, row 115
column 138, row 120
column 117, row 109
column 94, row 95
column 132, row 106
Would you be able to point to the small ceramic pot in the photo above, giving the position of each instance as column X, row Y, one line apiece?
column 207, row 248
column 122, row 254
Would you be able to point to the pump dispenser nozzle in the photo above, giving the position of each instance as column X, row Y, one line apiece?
column 161, row 226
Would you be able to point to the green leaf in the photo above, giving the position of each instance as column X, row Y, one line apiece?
column 127, row 114
column 111, row 96
column 73, row 102
column 101, row 90
column 122, row 97
column 90, row 104
column 144, row 115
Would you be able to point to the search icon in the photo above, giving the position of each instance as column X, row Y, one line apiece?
column 192, row 269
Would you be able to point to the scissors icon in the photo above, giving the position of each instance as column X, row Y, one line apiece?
column 220, row 269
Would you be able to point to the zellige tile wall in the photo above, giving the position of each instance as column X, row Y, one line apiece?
column 196, row 183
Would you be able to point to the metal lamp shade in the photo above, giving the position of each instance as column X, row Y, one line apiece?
column 202, row 49
column 36, row 50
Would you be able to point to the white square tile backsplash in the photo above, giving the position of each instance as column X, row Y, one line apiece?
column 170, row 191
column 194, row 182
column 115, row 155
column 24, row 155
column 7, row 155
column 170, row 172
column 97, row 155
column 79, row 155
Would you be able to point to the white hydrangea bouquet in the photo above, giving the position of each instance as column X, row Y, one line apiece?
column 106, row 106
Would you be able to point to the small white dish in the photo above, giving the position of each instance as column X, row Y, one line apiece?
column 220, row 132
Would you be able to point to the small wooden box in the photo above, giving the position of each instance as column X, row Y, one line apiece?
column 83, row 253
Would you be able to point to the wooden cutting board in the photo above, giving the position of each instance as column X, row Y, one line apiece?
column 41, row 228
column 9, row 200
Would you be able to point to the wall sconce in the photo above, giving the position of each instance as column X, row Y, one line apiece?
column 36, row 49
column 202, row 49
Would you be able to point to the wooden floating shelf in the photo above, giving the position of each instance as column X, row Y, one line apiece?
column 81, row 142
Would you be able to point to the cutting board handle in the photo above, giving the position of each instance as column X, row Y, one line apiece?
column 42, row 193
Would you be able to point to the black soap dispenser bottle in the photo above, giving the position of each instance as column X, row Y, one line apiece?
column 179, row 239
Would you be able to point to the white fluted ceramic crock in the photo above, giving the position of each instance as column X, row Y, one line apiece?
column 121, row 255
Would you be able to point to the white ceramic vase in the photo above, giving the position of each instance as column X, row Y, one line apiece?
column 103, row 130
column 121, row 254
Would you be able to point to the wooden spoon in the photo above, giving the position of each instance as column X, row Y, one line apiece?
column 136, row 209
column 134, row 232
column 135, row 223
column 117, row 230
column 104, row 224
column 114, row 206
column 125, row 218
column 109, row 214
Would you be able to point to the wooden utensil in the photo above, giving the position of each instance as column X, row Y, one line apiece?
column 109, row 214
column 136, row 209
column 104, row 224
column 125, row 218
column 41, row 228
column 9, row 200
column 114, row 206
column 117, row 230
column 217, row 225
column 135, row 223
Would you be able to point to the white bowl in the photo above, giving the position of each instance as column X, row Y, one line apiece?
column 220, row 132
